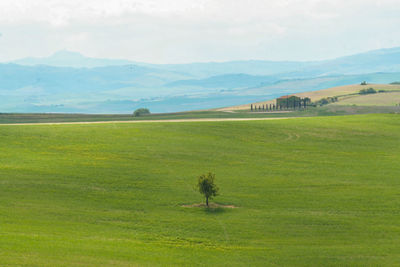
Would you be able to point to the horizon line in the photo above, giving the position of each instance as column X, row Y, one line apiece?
column 192, row 62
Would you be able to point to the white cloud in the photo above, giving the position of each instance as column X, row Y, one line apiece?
column 63, row 12
column 201, row 30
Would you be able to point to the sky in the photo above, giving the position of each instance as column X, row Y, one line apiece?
column 181, row 31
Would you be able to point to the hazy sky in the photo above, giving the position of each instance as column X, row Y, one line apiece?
column 175, row 31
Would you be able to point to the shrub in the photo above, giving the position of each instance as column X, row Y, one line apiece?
column 141, row 112
column 367, row 91
column 325, row 101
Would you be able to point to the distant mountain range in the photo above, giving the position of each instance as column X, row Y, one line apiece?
column 70, row 82
column 65, row 58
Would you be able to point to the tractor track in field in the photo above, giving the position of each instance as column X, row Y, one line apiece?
column 147, row 121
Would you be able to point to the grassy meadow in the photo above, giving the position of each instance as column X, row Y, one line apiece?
column 379, row 99
column 329, row 92
column 335, row 109
column 7, row 118
column 321, row 191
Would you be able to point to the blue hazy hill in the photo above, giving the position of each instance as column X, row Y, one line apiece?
column 228, row 81
column 382, row 60
column 65, row 58
column 70, row 82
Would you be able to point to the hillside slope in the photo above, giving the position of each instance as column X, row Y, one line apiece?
column 375, row 99
column 382, row 60
column 309, row 192
column 173, row 88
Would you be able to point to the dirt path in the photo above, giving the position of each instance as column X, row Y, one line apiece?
column 147, row 121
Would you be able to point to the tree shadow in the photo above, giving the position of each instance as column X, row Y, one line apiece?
column 218, row 210
column 213, row 208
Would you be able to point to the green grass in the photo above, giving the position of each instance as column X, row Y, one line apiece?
column 54, row 117
column 330, row 110
column 310, row 192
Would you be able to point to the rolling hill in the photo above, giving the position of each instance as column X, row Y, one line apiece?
column 65, row 58
column 70, row 82
column 389, row 98
column 382, row 60
column 308, row 191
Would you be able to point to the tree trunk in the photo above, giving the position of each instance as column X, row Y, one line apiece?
column 207, row 201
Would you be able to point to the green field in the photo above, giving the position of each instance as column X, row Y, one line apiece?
column 54, row 117
column 329, row 110
column 322, row 191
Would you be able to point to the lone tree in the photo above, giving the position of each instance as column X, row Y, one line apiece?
column 207, row 187
column 141, row 112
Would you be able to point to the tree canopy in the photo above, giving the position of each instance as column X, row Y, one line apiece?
column 141, row 112
column 207, row 187
column 367, row 91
